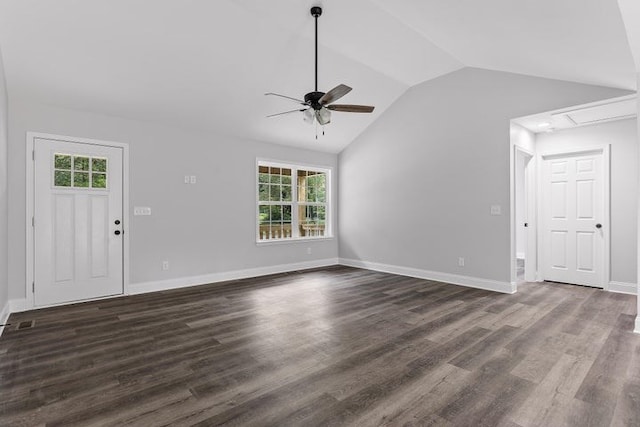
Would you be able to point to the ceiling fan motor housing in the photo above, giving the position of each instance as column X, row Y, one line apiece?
column 316, row 11
column 313, row 99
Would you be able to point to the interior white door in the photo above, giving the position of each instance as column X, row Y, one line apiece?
column 573, row 219
column 78, row 221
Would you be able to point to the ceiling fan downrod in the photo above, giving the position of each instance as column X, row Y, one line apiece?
column 316, row 11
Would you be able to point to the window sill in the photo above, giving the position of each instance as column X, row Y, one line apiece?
column 292, row 240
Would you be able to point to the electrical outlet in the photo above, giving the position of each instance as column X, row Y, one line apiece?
column 496, row 210
column 461, row 262
column 165, row 265
column 141, row 210
column 309, row 251
column 187, row 179
column 192, row 179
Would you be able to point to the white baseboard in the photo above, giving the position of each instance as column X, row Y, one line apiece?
column 4, row 315
column 623, row 288
column 456, row 279
column 520, row 255
column 637, row 329
column 183, row 282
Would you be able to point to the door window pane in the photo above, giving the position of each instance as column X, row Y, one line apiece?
column 79, row 171
column 98, row 164
column 62, row 178
column 99, row 180
column 81, row 179
column 80, row 163
column 62, row 161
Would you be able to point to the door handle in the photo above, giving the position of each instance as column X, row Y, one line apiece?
column 598, row 225
column 117, row 232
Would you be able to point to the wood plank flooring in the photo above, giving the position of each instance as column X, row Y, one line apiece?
column 333, row 346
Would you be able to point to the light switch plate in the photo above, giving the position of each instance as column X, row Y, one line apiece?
column 192, row 179
column 496, row 210
column 141, row 210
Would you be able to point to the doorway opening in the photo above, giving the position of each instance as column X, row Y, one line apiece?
column 524, row 167
column 560, row 192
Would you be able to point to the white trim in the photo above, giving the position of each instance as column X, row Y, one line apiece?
column 30, row 189
column 623, row 288
column 183, row 282
column 531, row 185
column 4, row 315
column 292, row 240
column 456, row 279
column 605, row 150
column 637, row 329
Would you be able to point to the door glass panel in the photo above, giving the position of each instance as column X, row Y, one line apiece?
column 79, row 171
column 62, row 161
column 98, row 164
column 80, row 163
column 62, row 178
column 81, row 179
column 99, row 180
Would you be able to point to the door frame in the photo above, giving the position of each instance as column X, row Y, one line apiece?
column 605, row 150
column 530, row 183
column 30, row 203
column 532, row 186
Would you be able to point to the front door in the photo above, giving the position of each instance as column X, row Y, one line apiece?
column 77, row 222
column 573, row 218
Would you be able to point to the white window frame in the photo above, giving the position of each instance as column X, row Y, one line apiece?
column 295, row 204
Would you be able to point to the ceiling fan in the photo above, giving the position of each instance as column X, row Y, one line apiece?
column 317, row 106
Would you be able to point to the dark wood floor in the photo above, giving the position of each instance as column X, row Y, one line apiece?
column 336, row 346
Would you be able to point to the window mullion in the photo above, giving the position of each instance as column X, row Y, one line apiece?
column 295, row 228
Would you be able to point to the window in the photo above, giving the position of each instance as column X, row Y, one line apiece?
column 79, row 171
column 293, row 202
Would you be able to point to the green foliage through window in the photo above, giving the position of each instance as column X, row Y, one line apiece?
column 79, row 171
column 280, row 195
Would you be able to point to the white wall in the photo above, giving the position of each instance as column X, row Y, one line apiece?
column 623, row 138
column 200, row 229
column 4, row 284
column 416, row 187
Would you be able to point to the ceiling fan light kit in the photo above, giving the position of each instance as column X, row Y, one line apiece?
column 317, row 106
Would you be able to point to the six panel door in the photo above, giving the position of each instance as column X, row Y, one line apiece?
column 573, row 209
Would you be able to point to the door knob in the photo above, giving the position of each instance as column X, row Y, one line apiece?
column 598, row 225
column 117, row 232
column 526, row 224
column 117, row 222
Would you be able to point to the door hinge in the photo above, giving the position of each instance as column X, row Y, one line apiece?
column 33, row 287
column 33, row 155
column 33, row 221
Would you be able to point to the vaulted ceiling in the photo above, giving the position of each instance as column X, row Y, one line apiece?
column 205, row 65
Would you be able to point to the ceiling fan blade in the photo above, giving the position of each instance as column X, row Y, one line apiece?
column 347, row 108
column 288, row 112
column 286, row 97
column 334, row 94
